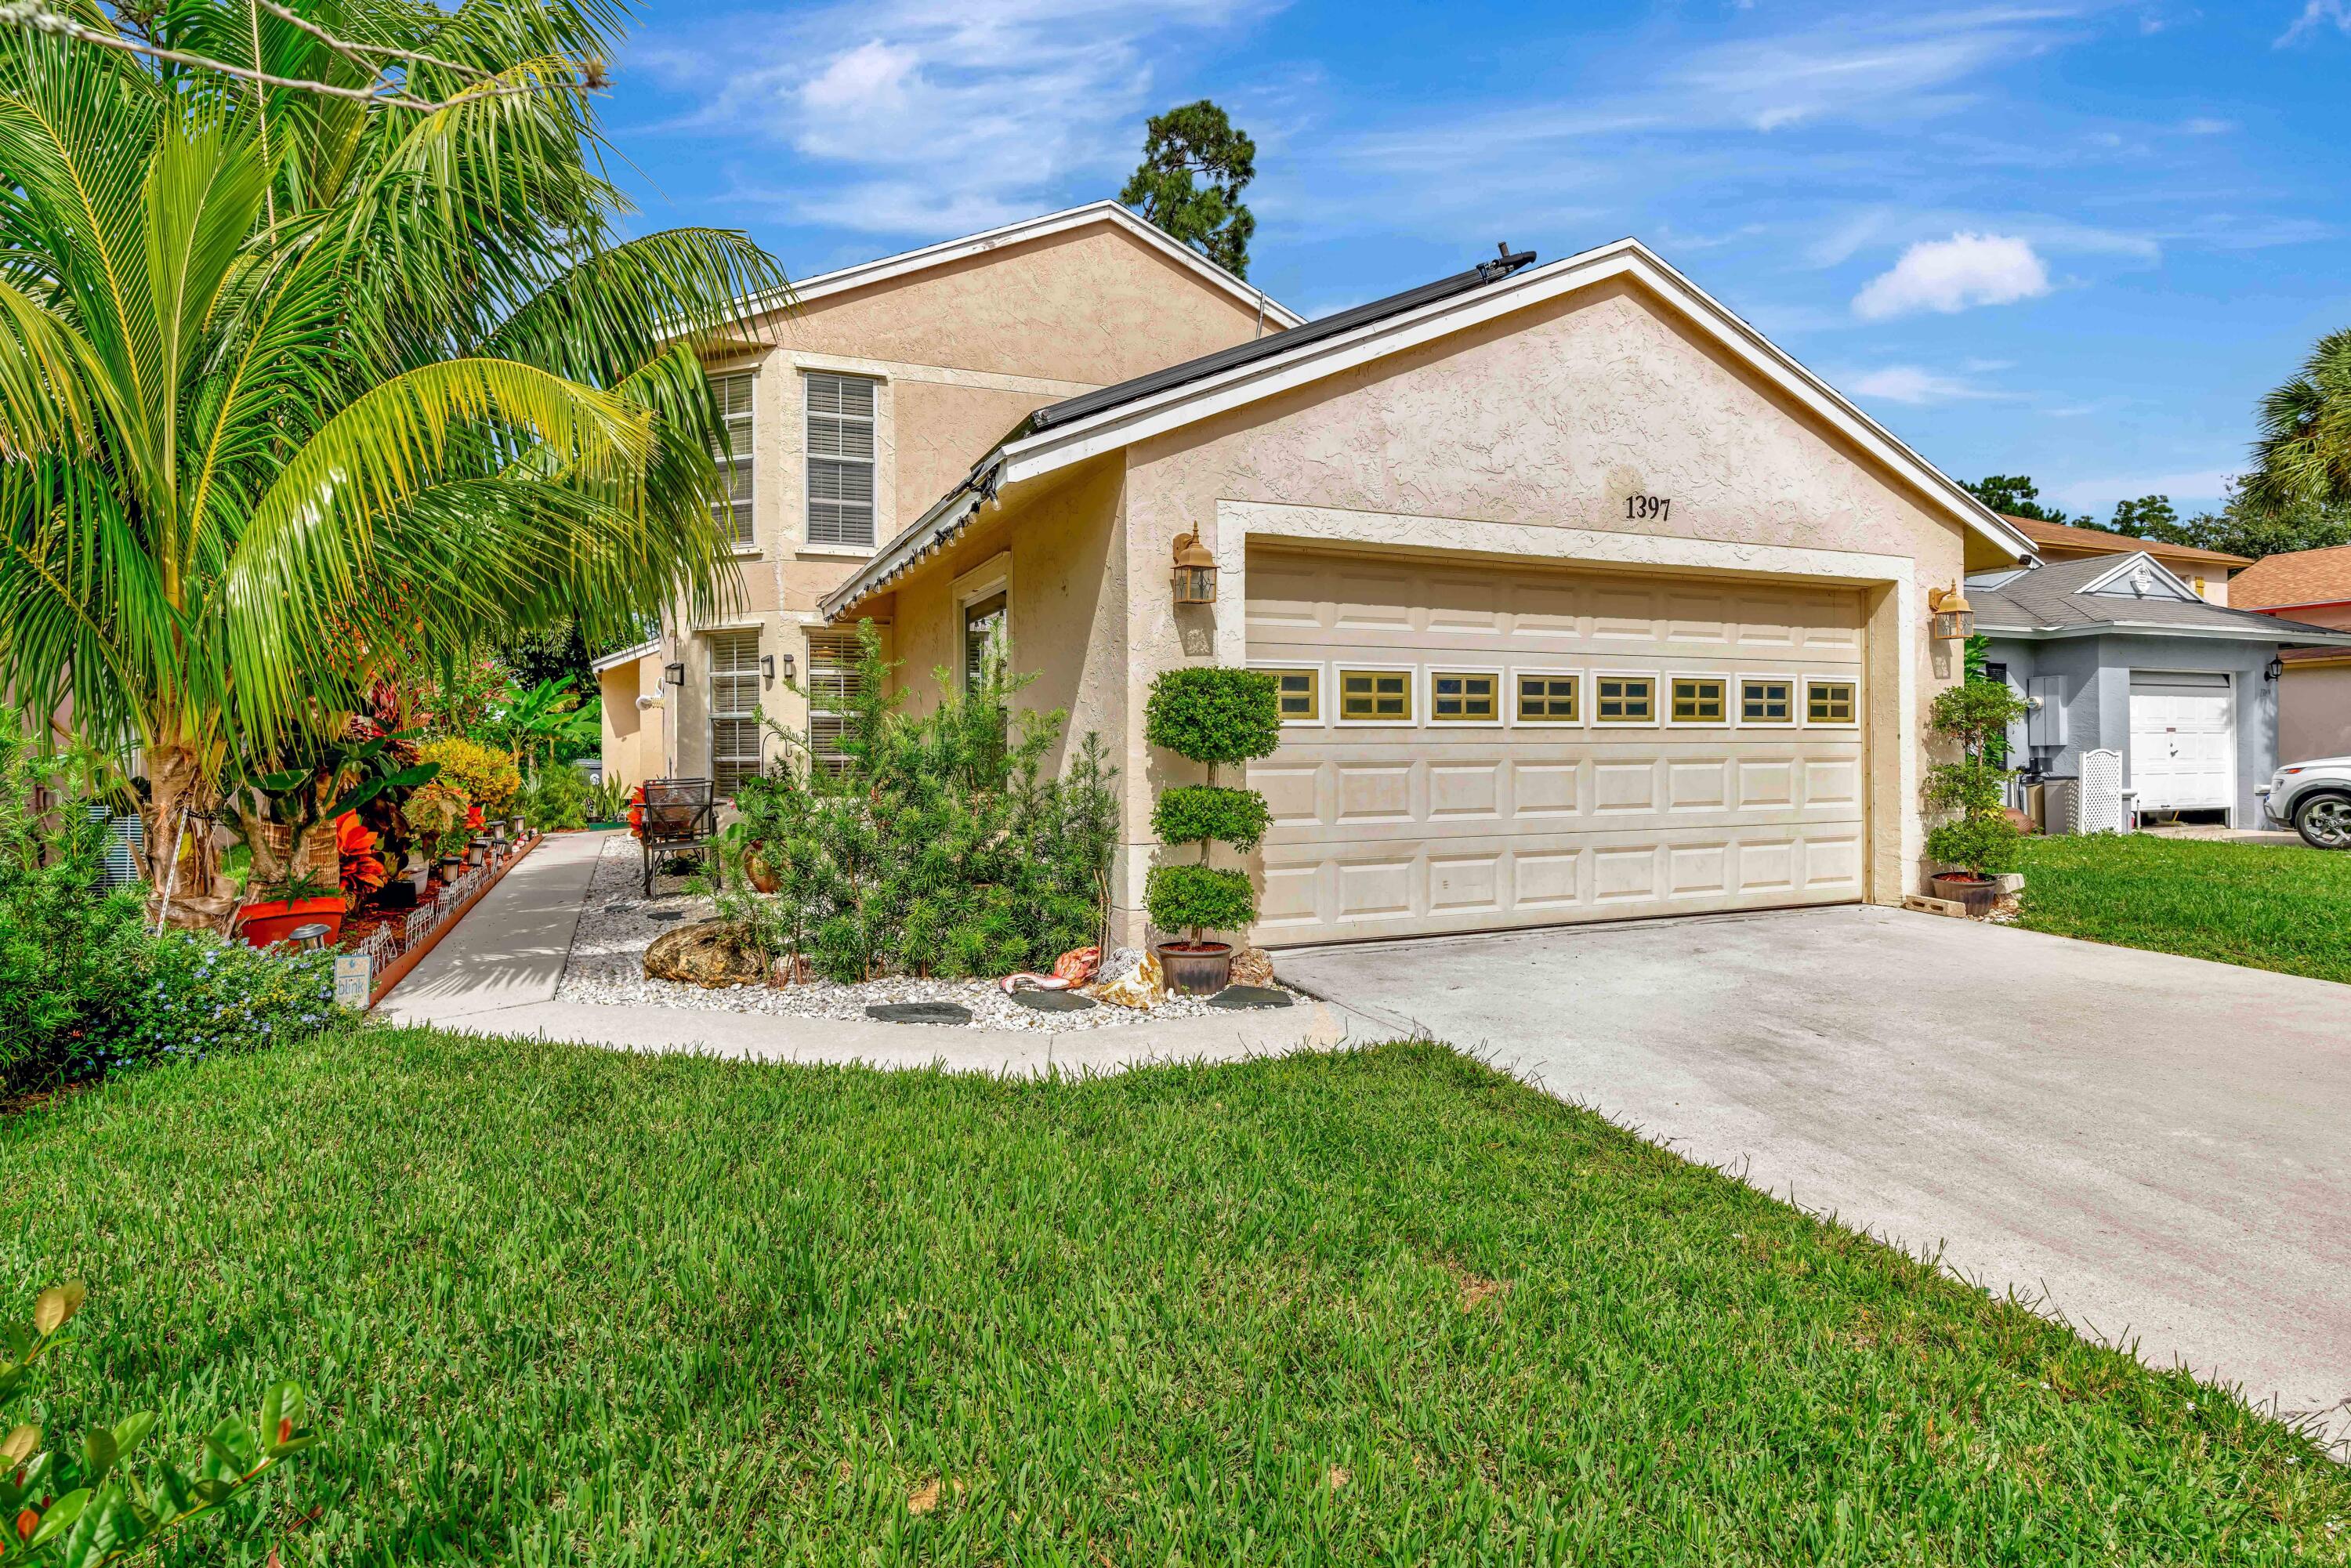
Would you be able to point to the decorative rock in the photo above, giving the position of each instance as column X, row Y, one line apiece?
column 920, row 1012
column 707, row 953
column 1252, row 967
column 1054, row 1001
column 1236, row 997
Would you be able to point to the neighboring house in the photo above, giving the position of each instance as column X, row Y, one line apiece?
column 1586, row 602
column 857, row 401
column 2208, row 572
column 2312, row 586
column 2122, row 655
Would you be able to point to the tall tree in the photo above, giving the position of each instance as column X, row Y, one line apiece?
column 295, row 388
column 2016, row 495
column 2304, row 455
column 2149, row 517
column 1195, row 166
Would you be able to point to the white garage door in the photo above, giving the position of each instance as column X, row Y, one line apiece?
column 1467, row 749
column 2183, row 740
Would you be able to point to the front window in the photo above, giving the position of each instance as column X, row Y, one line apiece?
column 733, row 395
column 833, row 662
column 734, row 728
column 984, row 639
column 841, row 461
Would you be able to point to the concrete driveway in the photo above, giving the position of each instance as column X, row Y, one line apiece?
column 2157, row 1148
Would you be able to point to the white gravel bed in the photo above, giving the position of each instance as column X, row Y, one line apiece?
column 607, row 964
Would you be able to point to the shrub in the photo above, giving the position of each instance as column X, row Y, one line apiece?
column 487, row 776
column 1188, row 813
column 555, row 797
column 436, row 812
column 938, row 847
column 202, row 997
column 1214, row 714
column 69, row 949
column 1978, row 836
column 1199, row 898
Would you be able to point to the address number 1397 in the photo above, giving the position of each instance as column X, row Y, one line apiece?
column 1648, row 507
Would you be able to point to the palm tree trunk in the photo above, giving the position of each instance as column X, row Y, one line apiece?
column 180, row 855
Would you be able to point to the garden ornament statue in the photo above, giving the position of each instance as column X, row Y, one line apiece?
column 1070, row 970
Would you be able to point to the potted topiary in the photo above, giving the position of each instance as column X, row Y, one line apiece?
column 1216, row 716
column 1978, row 840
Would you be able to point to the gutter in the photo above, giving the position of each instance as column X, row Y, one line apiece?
column 2287, row 634
column 947, row 517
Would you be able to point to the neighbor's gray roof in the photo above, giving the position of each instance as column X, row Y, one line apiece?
column 2049, row 600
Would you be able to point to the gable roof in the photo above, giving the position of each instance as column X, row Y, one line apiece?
column 1117, row 416
column 2064, row 599
column 2064, row 536
column 890, row 268
column 2298, row 577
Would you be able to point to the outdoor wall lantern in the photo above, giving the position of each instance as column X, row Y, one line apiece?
column 1955, row 621
column 2274, row 669
column 767, row 668
column 1195, row 571
column 673, row 675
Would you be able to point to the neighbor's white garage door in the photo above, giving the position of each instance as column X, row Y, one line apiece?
column 1467, row 749
column 2183, row 740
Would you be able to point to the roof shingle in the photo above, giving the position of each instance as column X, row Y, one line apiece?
column 2064, row 536
column 2052, row 597
column 2299, row 577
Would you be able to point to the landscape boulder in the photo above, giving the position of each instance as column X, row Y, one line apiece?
column 709, row 953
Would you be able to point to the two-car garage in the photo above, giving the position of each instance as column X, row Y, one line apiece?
column 1467, row 749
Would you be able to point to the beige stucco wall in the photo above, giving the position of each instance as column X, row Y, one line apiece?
column 634, row 742
column 1518, row 439
column 959, row 353
column 2314, row 711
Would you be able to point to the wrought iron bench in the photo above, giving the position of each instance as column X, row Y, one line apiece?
column 681, row 817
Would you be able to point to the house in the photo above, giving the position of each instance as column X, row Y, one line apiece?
column 2118, row 652
column 853, row 403
column 1585, row 600
column 2208, row 572
column 2312, row 586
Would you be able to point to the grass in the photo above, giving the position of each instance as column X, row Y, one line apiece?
column 560, row 1305
column 2268, row 907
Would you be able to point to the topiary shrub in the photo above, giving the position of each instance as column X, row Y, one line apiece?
column 1215, row 716
column 1977, row 836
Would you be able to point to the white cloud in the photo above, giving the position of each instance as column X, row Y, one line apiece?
column 936, row 117
column 2315, row 16
column 1912, row 384
column 2204, row 125
column 1950, row 275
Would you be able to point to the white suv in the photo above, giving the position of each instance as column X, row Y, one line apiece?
column 2315, row 799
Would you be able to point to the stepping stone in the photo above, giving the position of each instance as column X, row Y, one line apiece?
column 919, row 1012
column 1054, row 1001
column 1236, row 997
column 665, row 913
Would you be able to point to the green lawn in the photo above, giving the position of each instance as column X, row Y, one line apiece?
column 564, row 1305
column 2269, row 907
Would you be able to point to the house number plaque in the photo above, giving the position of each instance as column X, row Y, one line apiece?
column 1639, row 509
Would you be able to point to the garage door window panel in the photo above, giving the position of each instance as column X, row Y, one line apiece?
column 1624, row 699
column 1464, row 697
column 1767, row 702
column 1702, row 701
column 1297, row 692
column 1369, row 694
column 1550, row 696
column 1833, row 703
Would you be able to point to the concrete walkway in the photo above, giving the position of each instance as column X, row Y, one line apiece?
column 496, row 973
column 2154, row 1147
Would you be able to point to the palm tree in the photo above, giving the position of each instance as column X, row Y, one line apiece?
column 2304, row 457
column 294, row 388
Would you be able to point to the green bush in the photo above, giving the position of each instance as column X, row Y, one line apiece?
column 1981, row 845
column 1199, row 898
column 70, row 950
column 1214, row 714
column 937, row 847
column 1977, row 835
column 557, row 796
column 1188, row 813
column 202, row 997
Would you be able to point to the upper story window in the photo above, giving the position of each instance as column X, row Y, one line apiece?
column 733, row 392
column 840, row 460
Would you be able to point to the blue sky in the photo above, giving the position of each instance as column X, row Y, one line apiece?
column 2073, row 240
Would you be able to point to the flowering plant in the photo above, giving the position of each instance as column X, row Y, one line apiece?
column 204, row 996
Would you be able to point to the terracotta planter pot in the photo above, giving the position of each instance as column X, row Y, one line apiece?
column 263, row 924
column 1200, row 970
column 1978, row 893
column 763, row 879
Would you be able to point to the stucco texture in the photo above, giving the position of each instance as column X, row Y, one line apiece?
column 959, row 353
column 1540, row 420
